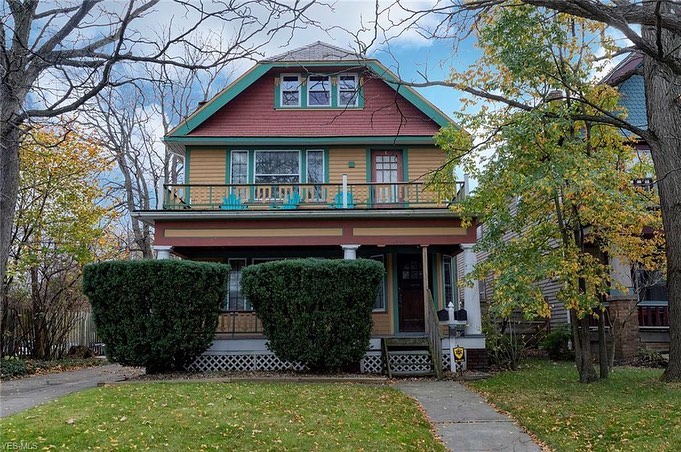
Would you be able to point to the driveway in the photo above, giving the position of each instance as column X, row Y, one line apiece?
column 25, row 393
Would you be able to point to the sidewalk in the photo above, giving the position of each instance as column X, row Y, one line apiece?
column 464, row 421
column 25, row 393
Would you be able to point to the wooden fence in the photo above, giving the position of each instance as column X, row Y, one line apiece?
column 18, row 335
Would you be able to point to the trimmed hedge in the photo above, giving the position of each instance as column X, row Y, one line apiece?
column 159, row 314
column 317, row 312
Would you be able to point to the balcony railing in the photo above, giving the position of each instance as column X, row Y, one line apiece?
column 301, row 196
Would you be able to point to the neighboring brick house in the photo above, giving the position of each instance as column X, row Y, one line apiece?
column 319, row 153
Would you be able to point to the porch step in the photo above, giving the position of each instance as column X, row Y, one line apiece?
column 407, row 356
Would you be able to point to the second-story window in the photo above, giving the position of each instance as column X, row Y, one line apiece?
column 348, row 90
column 239, row 167
column 290, row 91
column 277, row 167
column 319, row 91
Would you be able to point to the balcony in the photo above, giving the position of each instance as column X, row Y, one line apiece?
column 373, row 195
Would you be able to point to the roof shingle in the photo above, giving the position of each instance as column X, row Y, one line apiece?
column 317, row 51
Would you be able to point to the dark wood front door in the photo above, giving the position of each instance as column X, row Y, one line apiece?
column 410, row 293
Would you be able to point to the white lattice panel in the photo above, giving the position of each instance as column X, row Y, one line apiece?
column 241, row 362
column 410, row 362
column 372, row 363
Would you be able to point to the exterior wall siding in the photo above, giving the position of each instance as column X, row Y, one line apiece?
column 423, row 161
column 252, row 114
column 207, row 166
column 339, row 161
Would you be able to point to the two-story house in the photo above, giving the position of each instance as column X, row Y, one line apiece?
column 319, row 152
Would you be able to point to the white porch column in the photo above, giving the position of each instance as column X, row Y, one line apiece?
column 471, row 295
column 162, row 251
column 350, row 251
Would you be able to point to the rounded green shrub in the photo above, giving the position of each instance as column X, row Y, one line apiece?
column 314, row 311
column 159, row 314
column 557, row 344
column 12, row 367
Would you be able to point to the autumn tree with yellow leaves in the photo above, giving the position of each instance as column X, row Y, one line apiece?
column 555, row 190
column 60, row 224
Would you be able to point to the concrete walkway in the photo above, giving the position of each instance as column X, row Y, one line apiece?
column 464, row 421
column 25, row 393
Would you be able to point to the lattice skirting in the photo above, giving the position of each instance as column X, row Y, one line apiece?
column 244, row 361
column 400, row 361
column 241, row 362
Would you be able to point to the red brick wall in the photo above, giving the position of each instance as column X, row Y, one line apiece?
column 624, row 315
column 252, row 114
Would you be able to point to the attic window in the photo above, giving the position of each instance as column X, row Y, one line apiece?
column 347, row 91
column 290, row 91
column 319, row 91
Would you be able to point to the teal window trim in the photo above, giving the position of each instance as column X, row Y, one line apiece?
column 369, row 164
column 302, row 159
column 228, row 166
column 326, row 165
column 187, row 160
column 334, row 91
column 405, row 165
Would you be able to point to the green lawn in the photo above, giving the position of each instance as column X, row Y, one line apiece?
column 630, row 411
column 236, row 416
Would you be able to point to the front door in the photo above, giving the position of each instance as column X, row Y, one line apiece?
column 410, row 293
column 386, row 171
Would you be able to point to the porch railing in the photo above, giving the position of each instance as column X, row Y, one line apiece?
column 434, row 337
column 293, row 196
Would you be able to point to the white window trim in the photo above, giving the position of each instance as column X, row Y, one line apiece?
column 231, row 166
column 255, row 164
column 281, row 91
column 309, row 86
column 307, row 164
column 356, row 91
column 381, row 258
column 452, row 281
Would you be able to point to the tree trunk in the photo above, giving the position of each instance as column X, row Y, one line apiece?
column 582, row 343
column 9, row 189
column 663, row 101
column 602, row 347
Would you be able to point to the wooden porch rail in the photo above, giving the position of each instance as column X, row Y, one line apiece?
column 653, row 315
column 331, row 196
column 433, row 332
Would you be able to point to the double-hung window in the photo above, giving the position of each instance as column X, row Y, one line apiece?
column 239, row 171
column 277, row 167
column 315, row 174
column 235, row 298
column 348, row 90
column 290, row 91
column 379, row 302
column 319, row 91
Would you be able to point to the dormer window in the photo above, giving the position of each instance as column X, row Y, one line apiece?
column 290, row 91
column 319, row 91
column 348, row 90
